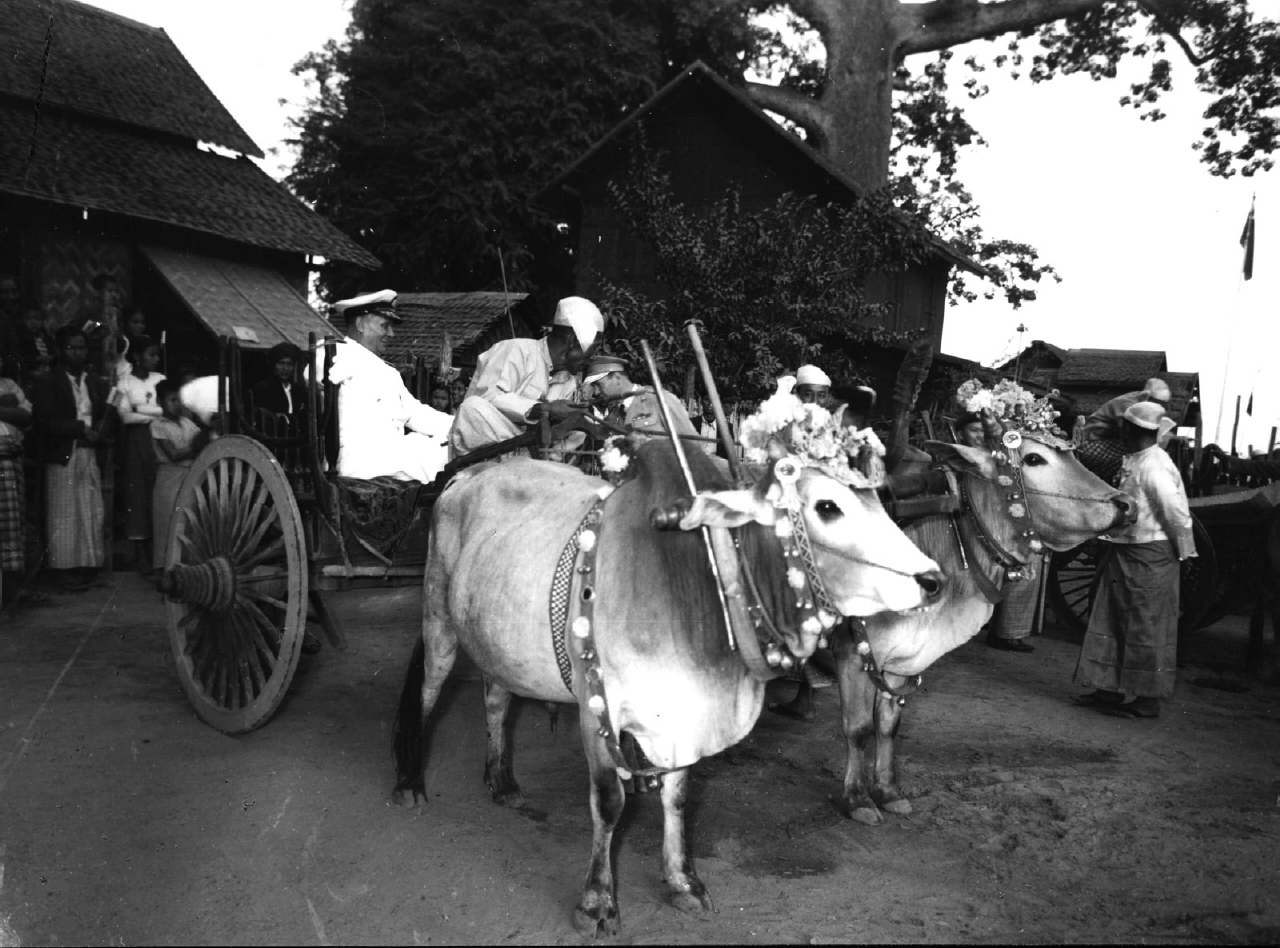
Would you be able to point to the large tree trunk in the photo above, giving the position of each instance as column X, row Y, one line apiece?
column 861, row 55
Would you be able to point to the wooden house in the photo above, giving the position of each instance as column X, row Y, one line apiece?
column 123, row 180
column 1087, row 379
column 713, row 137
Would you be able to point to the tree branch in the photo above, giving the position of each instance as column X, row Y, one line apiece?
column 808, row 113
column 1171, row 30
column 929, row 27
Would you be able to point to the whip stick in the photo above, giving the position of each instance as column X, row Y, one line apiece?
column 688, row 479
column 722, row 424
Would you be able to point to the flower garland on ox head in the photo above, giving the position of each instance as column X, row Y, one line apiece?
column 1016, row 409
column 814, row 438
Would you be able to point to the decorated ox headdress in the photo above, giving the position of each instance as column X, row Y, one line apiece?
column 1015, row 409
column 809, row 434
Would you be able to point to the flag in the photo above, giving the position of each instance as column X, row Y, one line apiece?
column 1249, row 408
column 1246, row 242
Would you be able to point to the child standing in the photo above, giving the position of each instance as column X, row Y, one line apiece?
column 138, row 408
column 177, row 440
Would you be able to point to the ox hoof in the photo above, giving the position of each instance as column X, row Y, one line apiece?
column 867, row 815
column 594, row 920
column 694, row 902
column 409, row 797
column 511, row 798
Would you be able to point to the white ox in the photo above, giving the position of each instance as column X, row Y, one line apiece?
column 660, row 660
column 1067, row 505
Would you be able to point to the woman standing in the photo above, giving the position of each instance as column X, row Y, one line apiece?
column 138, row 407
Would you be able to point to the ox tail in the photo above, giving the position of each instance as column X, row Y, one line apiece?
column 407, row 742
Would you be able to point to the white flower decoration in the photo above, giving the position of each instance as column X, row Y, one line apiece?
column 582, row 627
column 795, row 578
column 811, row 626
column 587, row 541
column 596, row 704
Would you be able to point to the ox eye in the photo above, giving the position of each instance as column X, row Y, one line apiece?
column 1034, row 460
column 828, row 510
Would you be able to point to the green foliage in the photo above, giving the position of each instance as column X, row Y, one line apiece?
column 772, row 288
column 434, row 124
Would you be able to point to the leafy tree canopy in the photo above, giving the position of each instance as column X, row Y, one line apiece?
column 436, row 121
column 771, row 289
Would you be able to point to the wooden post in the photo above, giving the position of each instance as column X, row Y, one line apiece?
column 1271, row 445
column 1235, row 426
column 1199, row 455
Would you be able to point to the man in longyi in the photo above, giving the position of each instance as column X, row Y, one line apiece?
column 517, row 380
column 1130, row 648
column 375, row 408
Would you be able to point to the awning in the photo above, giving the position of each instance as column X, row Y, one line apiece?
column 255, row 304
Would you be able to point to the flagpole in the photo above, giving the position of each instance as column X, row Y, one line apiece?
column 1245, row 272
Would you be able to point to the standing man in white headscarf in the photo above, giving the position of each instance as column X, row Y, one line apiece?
column 1130, row 648
column 518, row 380
column 374, row 407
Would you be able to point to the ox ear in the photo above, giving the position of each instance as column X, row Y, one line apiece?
column 728, row 508
column 960, row 457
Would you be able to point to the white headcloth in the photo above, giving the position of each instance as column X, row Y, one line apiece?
column 582, row 316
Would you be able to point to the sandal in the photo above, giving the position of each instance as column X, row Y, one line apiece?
column 1129, row 711
column 1096, row 699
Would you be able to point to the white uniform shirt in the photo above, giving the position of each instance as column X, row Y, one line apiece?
column 374, row 409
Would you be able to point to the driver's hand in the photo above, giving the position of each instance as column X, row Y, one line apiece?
column 559, row 410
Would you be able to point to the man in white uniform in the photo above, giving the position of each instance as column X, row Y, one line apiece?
column 374, row 407
column 517, row 380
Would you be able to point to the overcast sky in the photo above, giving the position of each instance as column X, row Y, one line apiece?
column 1146, row 240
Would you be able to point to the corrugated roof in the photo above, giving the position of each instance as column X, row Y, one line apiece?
column 1184, row 387
column 428, row 316
column 1111, row 366
column 106, row 168
column 107, row 66
column 732, row 97
column 255, row 304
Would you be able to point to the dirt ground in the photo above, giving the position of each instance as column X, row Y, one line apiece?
column 125, row 820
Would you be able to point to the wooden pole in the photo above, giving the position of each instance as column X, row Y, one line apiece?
column 1235, row 427
column 1271, row 445
column 722, row 423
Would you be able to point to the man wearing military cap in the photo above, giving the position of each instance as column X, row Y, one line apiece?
column 375, row 408
column 1130, row 648
column 627, row 403
column 519, row 380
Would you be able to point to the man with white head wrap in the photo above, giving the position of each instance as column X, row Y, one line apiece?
column 517, row 380
column 813, row 386
column 1131, row 645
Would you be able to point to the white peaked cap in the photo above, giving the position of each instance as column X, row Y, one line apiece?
column 812, row 375
column 1145, row 415
column 582, row 316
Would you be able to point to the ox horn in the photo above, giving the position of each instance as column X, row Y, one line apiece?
column 906, row 389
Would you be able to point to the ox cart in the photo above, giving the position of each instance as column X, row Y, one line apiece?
column 264, row 530
column 1236, row 522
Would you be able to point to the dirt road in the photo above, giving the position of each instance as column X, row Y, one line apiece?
column 125, row 820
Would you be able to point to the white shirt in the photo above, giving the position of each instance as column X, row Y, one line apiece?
column 374, row 409
column 514, row 374
column 1151, row 478
column 137, row 403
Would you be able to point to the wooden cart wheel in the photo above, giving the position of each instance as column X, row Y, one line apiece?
column 1072, row 574
column 1073, row 582
column 236, row 581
